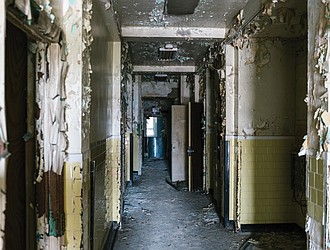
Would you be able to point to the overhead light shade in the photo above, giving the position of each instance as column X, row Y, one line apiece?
column 167, row 53
column 159, row 77
column 181, row 7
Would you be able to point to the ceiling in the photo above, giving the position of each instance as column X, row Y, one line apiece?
column 146, row 28
column 192, row 34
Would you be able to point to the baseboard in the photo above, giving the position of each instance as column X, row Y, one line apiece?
column 110, row 236
column 280, row 227
column 178, row 185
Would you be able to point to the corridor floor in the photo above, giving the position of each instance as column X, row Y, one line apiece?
column 157, row 216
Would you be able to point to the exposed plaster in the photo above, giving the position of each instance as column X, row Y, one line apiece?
column 86, row 71
column 260, row 56
column 320, row 92
column 315, row 230
column 173, row 32
column 240, row 33
column 52, row 144
column 126, row 121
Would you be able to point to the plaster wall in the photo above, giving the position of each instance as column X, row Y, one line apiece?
column 158, row 89
column 266, row 89
column 74, row 17
column 184, row 90
column 72, row 27
column 101, row 79
column 196, row 88
column 261, row 104
column 231, row 89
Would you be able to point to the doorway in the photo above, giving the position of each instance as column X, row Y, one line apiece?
column 20, row 218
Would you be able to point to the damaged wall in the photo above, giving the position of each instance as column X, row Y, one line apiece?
column 113, row 167
column 127, row 113
column 266, row 94
column 261, row 130
column 105, row 131
column 317, row 137
column 51, row 143
column 72, row 22
column 159, row 88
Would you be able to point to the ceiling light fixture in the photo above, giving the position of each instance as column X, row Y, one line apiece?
column 167, row 53
column 182, row 7
column 160, row 77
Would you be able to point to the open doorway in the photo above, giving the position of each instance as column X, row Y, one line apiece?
column 156, row 137
column 20, row 216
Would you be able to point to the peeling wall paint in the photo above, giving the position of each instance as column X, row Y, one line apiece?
column 288, row 23
column 260, row 56
column 316, row 143
column 266, row 95
column 113, row 156
column 52, row 143
column 113, row 184
column 317, row 96
column 158, row 89
column 73, row 204
column 72, row 15
column 126, row 117
column 87, row 40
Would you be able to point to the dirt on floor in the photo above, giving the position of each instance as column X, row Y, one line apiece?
column 158, row 216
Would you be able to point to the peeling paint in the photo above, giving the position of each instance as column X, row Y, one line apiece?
column 86, row 71
column 126, row 118
column 51, row 141
column 184, row 32
column 241, row 31
column 156, row 17
column 314, row 229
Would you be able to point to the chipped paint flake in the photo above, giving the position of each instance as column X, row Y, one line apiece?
column 51, row 143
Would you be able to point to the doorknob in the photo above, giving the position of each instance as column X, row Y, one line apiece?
column 190, row 151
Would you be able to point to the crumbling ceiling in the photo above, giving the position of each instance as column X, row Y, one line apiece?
column 146, row 28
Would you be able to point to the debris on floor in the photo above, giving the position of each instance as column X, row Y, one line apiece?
column 157, row 216
column 275, row 240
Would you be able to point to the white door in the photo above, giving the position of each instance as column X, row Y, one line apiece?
column 179, row 143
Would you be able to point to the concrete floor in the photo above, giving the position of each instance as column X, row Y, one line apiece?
column 157, row 216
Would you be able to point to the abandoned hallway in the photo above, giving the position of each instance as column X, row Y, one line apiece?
column 108, row 106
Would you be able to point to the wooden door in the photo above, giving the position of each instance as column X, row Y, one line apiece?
column 179, row 143
column 195, row 146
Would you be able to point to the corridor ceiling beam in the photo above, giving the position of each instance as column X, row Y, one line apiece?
column 173, row 32
column 167, row 69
